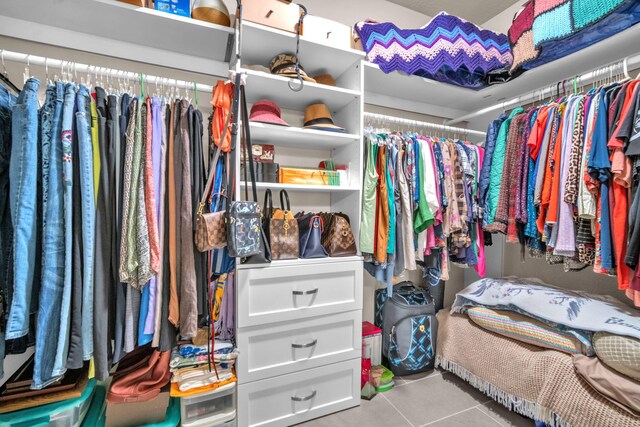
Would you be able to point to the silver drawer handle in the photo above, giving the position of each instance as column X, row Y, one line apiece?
column 304, row 399
column 310, row 292
column 311, row 344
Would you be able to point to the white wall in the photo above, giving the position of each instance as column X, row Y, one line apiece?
column 501, row 22
column 349, row 12
column 585, row 280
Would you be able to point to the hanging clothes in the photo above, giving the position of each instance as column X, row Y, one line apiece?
column 577, row 170
column 421, row 205
column 113, row 190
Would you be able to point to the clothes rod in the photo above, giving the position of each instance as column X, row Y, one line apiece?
column 71, row 67
column 426, row 125
column 586, row 78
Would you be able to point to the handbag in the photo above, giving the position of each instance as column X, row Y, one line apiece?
column 338, row 238
column 210, row 230
column 245, row 235
column 283, row 228
column 310, row 227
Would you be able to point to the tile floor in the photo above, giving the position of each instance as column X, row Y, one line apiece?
column 436, row 399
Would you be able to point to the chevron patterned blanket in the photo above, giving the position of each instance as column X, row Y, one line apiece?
column 447, row 49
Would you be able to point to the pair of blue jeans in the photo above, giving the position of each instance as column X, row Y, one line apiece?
column 23, row 177
column 62, row 351
column 83, row 139
column 7, row 102
column 53, row 244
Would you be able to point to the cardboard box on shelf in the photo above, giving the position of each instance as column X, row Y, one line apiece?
column 138, row 413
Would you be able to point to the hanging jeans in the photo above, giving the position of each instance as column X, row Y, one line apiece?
column 7, row 102
column 104, row 279
column 62, row 351
column 53, row 249
column 23, row 171
column 83, row 125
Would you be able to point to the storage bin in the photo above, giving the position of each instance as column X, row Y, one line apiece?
column 96, row 415
column 372, row 343
column 231, row 423
column 209, row 409
column 327, row 32
column 303, row 176
column 280, row 14
column 68, row 413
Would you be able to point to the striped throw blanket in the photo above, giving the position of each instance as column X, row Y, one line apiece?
column 447, row 49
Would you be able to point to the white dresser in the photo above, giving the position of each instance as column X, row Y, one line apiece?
column 299, row 336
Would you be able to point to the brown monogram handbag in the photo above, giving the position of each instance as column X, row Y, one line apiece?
column 338, row 239
column 211, row 230
column 281, row 227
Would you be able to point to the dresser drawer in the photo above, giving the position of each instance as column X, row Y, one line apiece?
column 280, row 294
column 294, row 398
column 278, row 349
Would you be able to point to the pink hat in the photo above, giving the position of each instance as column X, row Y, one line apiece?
column 266, row 112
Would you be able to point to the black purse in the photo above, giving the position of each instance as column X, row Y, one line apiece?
column 310, row 227
column 263, row 255
column 244, row 230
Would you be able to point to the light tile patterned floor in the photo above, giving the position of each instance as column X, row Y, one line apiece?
column 435, row 399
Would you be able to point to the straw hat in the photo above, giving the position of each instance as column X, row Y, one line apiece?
column 266, row 111
column 285, row 65
column 318, row 116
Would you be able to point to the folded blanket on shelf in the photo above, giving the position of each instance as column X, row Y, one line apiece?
column 447, row 49
column 539, row 384
column 546, row 30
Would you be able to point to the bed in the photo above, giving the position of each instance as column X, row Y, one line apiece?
column 538, row 383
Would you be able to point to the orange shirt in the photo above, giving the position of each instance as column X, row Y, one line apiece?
column 554, row 197
column 546, row 184
column 537, row 132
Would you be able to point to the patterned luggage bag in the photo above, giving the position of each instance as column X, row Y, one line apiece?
column 409, row 329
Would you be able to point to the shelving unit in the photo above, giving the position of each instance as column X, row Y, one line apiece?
column 121, row 30
column 317, row 301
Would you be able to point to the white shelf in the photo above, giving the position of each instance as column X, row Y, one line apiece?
column 276, row 88
column 300, row 261
column 262, row 43
column 301, row 188
column 117, row 29
column 282, row 136
column 379, row 85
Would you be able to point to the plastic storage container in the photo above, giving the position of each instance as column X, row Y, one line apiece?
column 68, row 413
column 372, row 343
column 209, row 409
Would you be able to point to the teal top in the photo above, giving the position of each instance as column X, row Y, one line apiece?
column 497, row 165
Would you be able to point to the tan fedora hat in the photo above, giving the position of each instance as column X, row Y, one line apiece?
column 318, row 116
column 325, row 79
column 285, row 65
